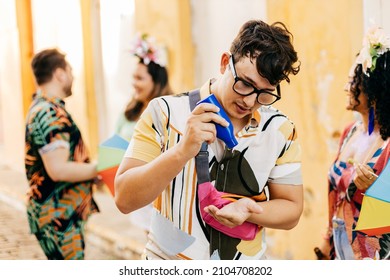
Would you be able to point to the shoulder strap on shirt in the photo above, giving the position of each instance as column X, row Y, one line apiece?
column 202, row 158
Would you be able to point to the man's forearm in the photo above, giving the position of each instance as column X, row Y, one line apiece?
column 75, row 172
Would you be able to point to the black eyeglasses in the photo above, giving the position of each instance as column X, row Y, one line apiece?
column 241, row 87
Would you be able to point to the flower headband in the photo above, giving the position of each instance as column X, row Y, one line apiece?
column 144, row 47
column 375, row 43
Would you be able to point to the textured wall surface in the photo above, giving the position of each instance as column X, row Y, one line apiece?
column 327, row 35
column 170, row 22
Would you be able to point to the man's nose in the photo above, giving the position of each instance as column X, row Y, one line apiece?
column 250, row 100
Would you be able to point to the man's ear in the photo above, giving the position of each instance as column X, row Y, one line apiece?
column 59, row 74
column 224, row 62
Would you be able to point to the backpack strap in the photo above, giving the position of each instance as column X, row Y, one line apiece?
column 202, row 158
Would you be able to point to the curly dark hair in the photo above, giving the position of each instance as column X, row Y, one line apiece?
column 271, row 47
column 376, row 86
column 161, row 87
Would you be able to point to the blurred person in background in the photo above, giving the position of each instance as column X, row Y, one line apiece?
column 364, row 151
column 150, row 80
column 58, row 168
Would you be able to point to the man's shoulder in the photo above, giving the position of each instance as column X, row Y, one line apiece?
column 176, row 102
column 40, row 104
column 270, row 116
column 174, row 97
column 270, row 111
column 39, row 107
column 42, row 108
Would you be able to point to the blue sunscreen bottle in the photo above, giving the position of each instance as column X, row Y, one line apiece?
column 226, row 134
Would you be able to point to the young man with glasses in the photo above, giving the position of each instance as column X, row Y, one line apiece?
column 261, row 175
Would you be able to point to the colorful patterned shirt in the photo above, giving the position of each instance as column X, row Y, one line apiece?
column 267, row 151
column 54, row 205
column 343, row 192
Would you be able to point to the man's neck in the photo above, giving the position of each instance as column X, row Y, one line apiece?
column 52, row 91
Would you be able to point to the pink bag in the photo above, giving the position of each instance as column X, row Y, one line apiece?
column 209, row 195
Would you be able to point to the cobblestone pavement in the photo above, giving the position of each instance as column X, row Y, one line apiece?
column 16, row 243
column 110, row 235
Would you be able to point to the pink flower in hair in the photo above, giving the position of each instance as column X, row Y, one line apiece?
column 146, row 48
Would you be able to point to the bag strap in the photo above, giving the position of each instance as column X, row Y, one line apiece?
column 202, row 158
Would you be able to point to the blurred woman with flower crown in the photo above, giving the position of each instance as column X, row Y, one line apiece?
column 363, row 153
column 150, row 80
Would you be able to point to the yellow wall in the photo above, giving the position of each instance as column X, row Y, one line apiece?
column 24, row 20
column 169, row 21
column 89, row 8
column 327, row 34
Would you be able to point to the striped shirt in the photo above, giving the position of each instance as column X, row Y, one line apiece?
column 267, row 151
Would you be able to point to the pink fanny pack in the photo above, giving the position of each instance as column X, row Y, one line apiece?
column 209, row 195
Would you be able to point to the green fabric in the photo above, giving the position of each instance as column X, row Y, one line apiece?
column 124, row 127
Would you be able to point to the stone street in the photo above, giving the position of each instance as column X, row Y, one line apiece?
column 16, row 243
